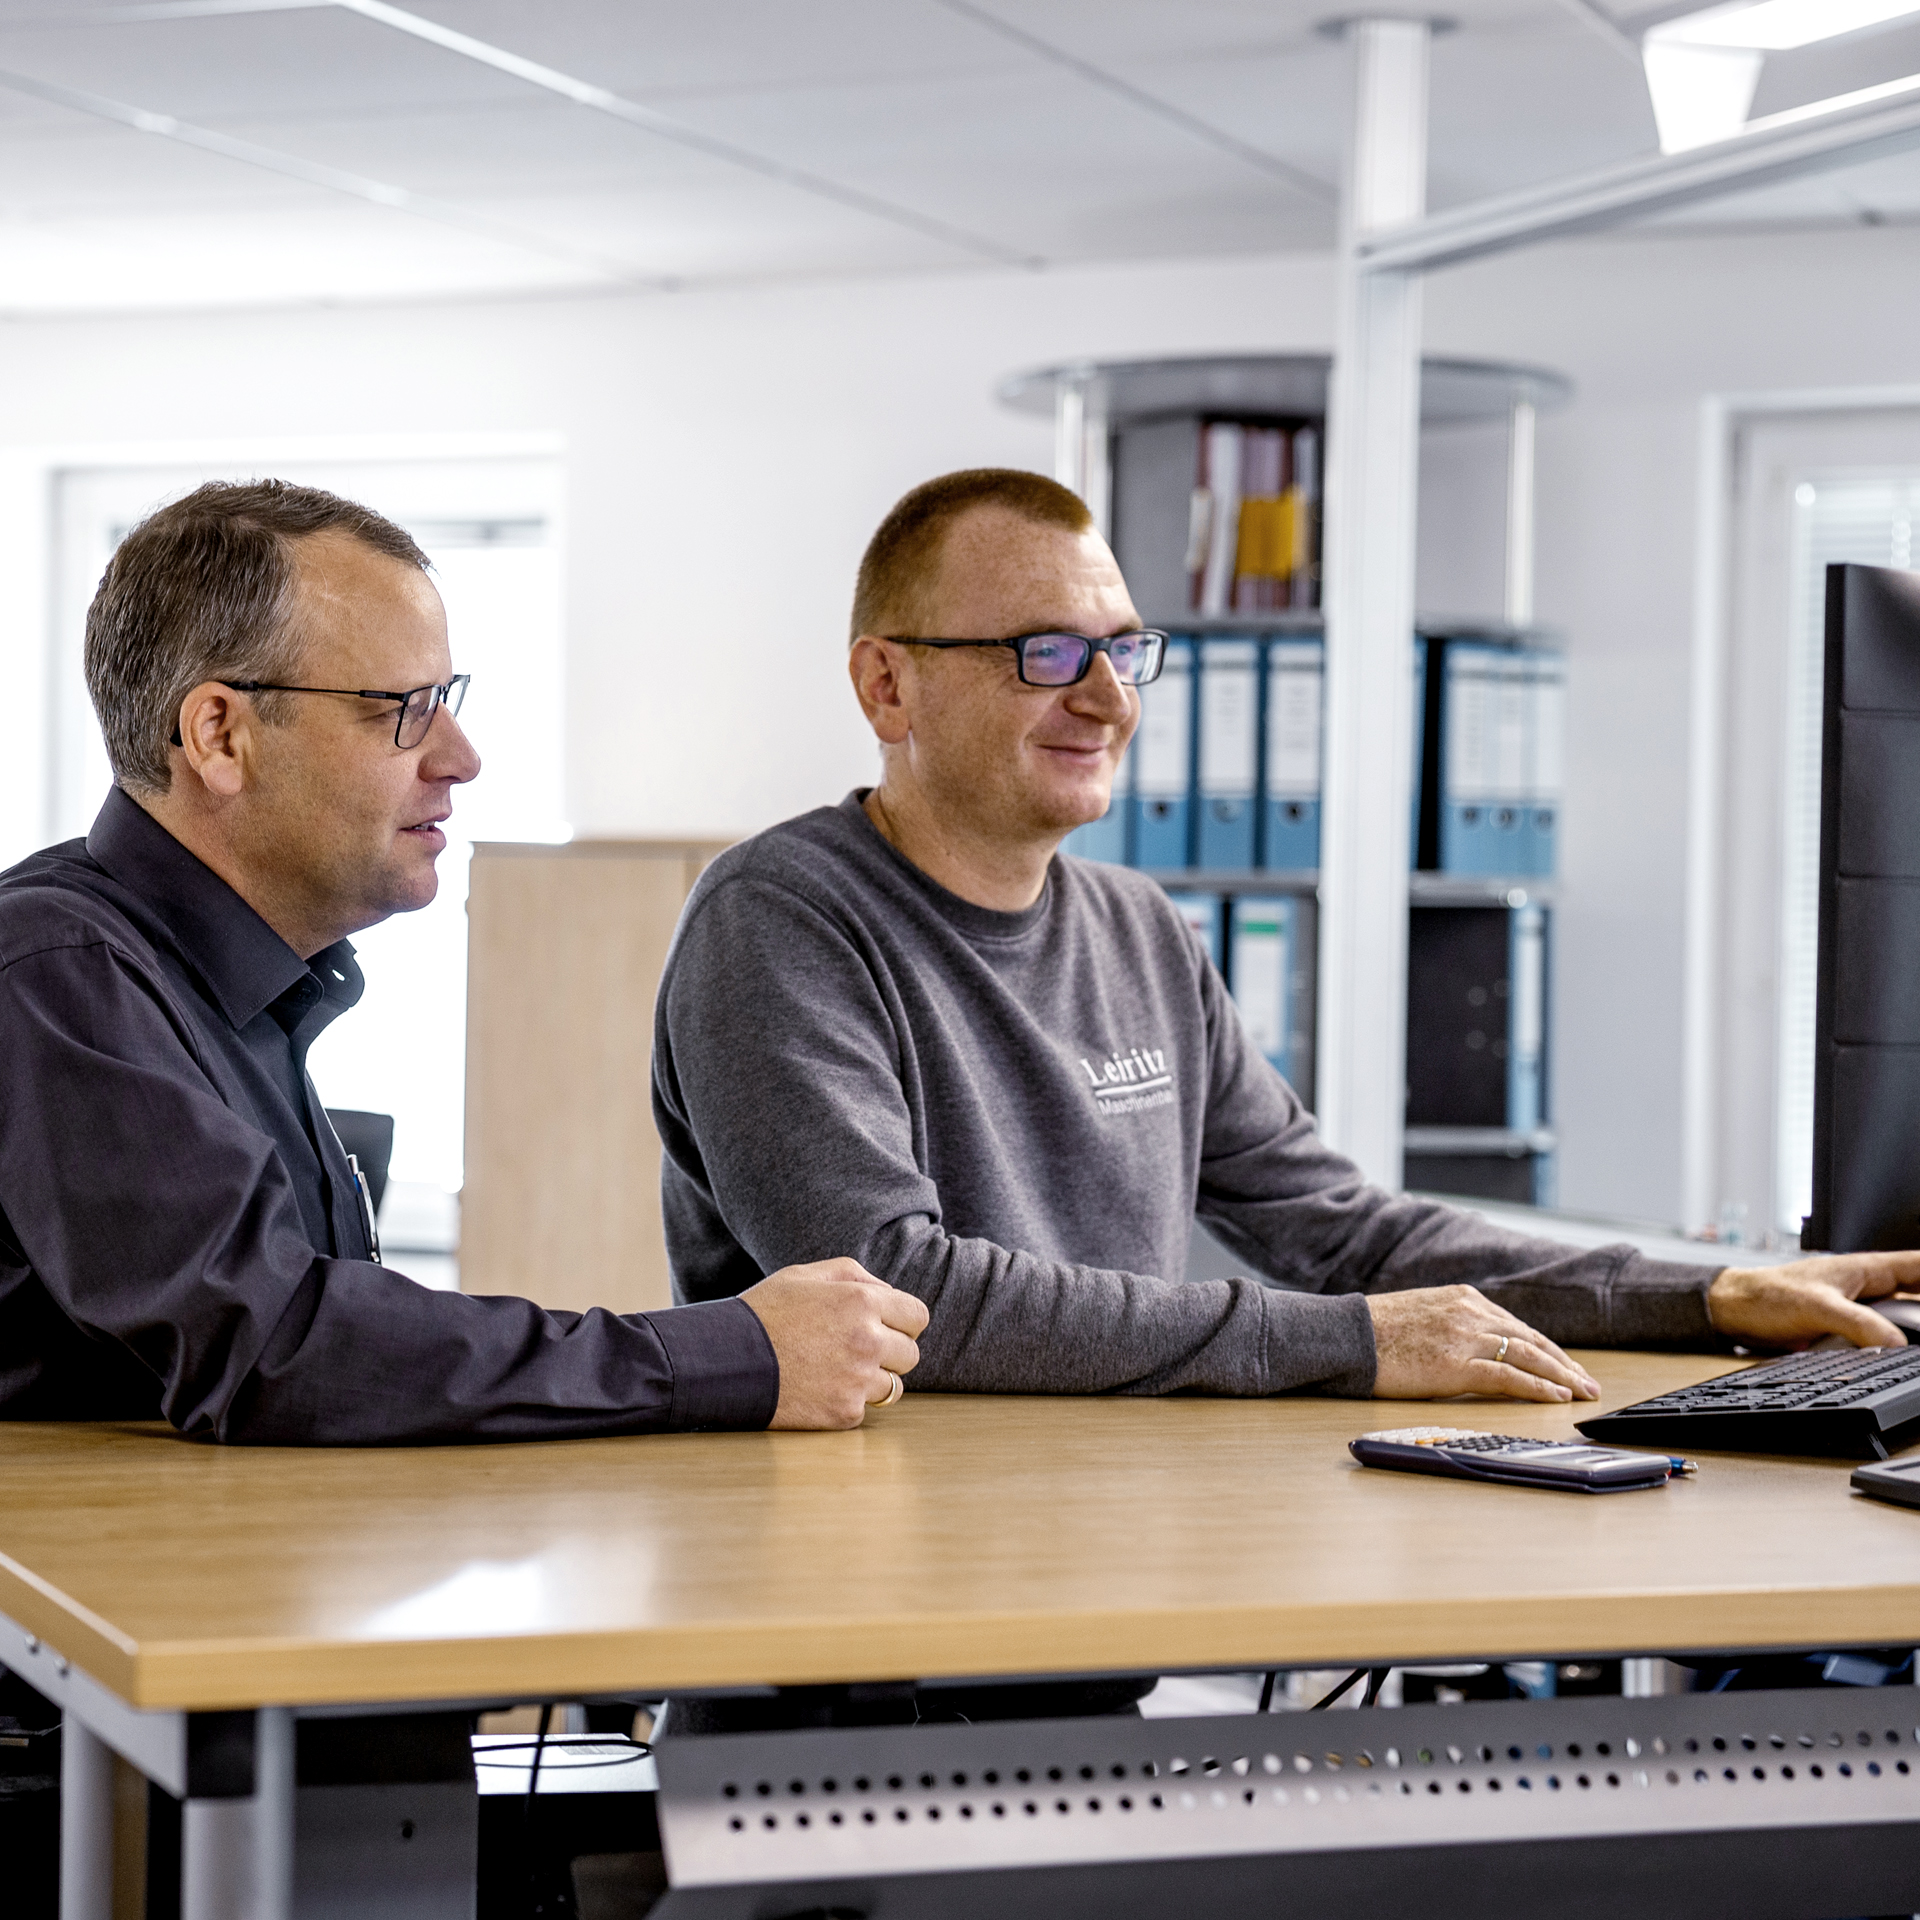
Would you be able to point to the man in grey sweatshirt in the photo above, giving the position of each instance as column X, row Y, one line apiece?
column 905, row 1030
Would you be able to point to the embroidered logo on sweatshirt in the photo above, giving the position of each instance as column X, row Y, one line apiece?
column 1131, row 1079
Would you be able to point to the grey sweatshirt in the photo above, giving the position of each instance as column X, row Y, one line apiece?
column 1016, row 1116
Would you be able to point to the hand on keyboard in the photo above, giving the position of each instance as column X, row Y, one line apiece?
column 1794, row 1305
column 1434, row 1342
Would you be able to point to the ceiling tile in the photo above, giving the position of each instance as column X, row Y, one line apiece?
column 1067, row 130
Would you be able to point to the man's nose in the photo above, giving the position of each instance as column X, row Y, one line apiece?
column 1103, row 693
column 449, row 753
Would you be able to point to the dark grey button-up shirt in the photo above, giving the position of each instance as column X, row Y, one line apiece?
column 180, row 1234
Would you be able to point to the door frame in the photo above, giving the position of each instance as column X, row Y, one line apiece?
column 1723, row 417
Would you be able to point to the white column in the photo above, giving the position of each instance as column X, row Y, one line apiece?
column 1097, row 457
column 1070, row 433
column 1520, row 496
column 1373, row 444
column 1080, row 453
column 86, row 1824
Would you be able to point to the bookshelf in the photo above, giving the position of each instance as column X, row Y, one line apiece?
column 1427, row 889
column 1131, row 439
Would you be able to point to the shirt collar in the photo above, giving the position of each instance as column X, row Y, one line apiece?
column 246, row 965
column 986, row 923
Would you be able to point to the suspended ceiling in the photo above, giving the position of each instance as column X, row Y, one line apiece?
column 198, row 152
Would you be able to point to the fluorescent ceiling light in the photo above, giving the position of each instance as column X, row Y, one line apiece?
column 315, row 174
column 1702, row 69
column 1774, row 26
column 1699, row 94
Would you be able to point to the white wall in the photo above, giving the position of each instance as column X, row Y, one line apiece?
column 728, row 454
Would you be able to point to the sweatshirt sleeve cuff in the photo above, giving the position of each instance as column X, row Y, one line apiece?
column 725, row 1374
column 1320, row 1343
column 1661, row 1303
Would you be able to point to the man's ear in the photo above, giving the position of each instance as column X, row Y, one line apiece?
column 215, row 737
column 881, row 672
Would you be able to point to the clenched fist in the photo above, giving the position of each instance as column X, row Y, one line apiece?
column 1434, row 1342
column 842, row 1339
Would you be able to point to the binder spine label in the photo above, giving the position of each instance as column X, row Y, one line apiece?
column 1262, row 960
column 1229, row 718
column 1293, row 718
column 1513, row 764
column 1162, row 747
column 1526, row 1019
column 1229, row 751
column 1549, row 758
column 1294, row 707
column 1472, row 770
column 1162, row 757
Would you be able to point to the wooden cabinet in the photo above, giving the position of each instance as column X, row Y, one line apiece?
column 565, row 949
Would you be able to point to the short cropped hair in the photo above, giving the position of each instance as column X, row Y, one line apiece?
column 894, row 591
column 203, row 589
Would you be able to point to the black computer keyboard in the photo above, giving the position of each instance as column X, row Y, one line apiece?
column 1860, row 1403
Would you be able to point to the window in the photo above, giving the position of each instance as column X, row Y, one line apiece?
column 1867, row 519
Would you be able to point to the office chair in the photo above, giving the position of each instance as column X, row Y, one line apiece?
column 369, row 1138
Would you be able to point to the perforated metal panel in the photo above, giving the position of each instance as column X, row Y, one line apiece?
column 874, row 1810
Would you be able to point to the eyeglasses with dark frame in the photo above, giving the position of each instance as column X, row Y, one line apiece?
column 417, row 706
column 1051, row 659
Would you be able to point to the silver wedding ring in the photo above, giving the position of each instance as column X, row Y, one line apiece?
column 893, row 1392
column 1500, row 1352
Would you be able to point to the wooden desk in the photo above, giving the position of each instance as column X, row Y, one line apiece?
column 952, row 1535
column 144, row 1579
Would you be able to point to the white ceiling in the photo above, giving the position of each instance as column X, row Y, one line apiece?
column 754, row 138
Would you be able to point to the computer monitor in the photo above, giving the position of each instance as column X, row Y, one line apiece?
column 1866, row 1099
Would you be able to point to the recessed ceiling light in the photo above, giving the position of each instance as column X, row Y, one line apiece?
column 1774, row 26
column 1699, row 94
column 1702, row 68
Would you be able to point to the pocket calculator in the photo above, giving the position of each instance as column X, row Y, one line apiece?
column 1574, row 1466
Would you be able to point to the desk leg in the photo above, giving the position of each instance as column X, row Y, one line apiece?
column 237, row 1854
column 273, row 1793
column 86, row 1824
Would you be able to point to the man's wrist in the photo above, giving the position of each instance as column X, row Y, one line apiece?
column 725, row 1372
column 1722, row 1290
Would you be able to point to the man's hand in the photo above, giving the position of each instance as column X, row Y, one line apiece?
column 840, row 1336
column 1796, row 1304
column 1434, row 1342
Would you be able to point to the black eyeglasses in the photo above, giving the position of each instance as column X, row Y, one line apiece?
column 417, row 706
column 1065, row 659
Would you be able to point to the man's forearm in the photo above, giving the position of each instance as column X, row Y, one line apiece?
column 363, row 1357
column 1607, row 1296
column 1009, row 1322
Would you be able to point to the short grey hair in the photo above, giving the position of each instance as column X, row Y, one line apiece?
column 203, row 589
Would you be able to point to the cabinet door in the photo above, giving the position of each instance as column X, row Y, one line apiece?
column 565, row 949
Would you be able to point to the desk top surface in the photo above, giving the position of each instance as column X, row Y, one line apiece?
column 952, row 1535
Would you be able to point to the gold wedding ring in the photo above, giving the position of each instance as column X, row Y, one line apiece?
column 1500, row 1352
column 893, row 1392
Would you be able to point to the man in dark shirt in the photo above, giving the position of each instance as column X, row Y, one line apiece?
column 181, row 1232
